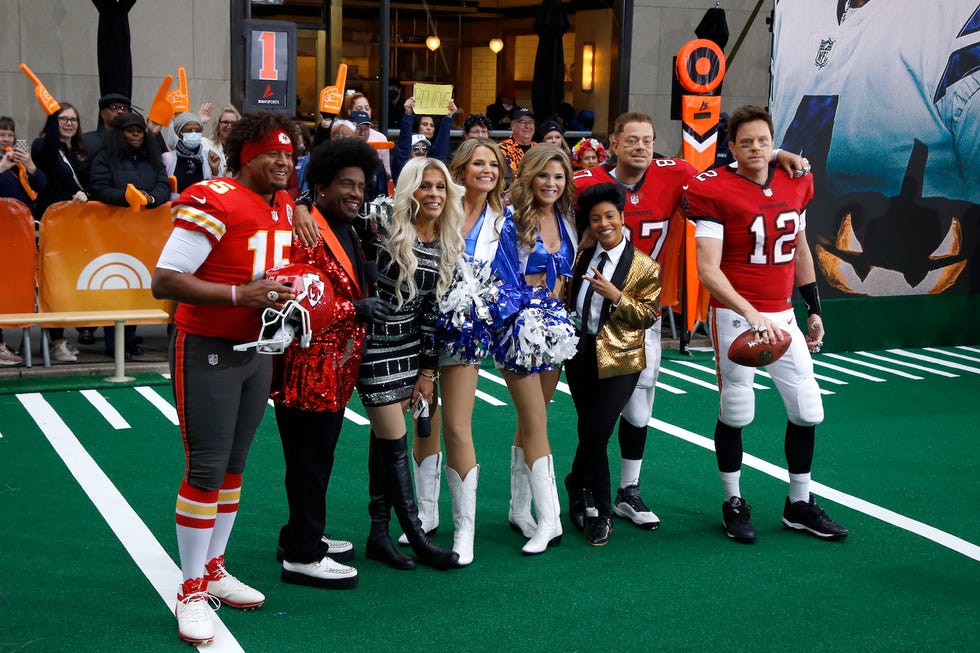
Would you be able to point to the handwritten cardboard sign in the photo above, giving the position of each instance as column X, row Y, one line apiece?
column 432, row 99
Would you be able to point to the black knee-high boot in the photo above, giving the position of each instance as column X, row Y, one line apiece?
column 398, row 483
column 379, row 545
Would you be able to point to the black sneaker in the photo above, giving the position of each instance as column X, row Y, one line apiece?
column 629, row 505
column 737, row 516
column 810, row 517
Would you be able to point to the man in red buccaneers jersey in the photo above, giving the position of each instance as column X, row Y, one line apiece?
column 227, row 233
column 751, row 250
column 653, row 187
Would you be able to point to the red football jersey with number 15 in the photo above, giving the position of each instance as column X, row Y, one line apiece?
column 761, row 225
column 248, row 236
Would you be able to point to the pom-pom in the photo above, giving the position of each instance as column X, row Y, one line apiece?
column 465, row 327
column 539, row 337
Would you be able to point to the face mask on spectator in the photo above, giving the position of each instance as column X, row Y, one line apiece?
column 191, row 140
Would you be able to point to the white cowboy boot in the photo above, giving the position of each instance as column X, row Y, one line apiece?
column 519, row 515
column 464, row 511
column 546, row 506
column 428, row 477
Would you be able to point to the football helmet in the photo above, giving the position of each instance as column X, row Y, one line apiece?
column 299, row 318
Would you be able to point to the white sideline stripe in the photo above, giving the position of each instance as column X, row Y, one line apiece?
column 714, row 373
column 942, row 538
column 965, row 348
column 132, row 533
column 500, row 381
column 880, row 368
column 671, row 389
column 816, row 376
column 490, row 399
column 159, row 403
column 844, row 370
column 492, row 377
column 972, row 359
column 689, row 379
column 354, row 417
column 110, row 414
column 935, row 361
column 906, row 364
column 348, row 414
column 829, row 379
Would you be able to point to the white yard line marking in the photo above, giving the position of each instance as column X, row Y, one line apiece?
column 159, row 403
column 671, row 389
column 767, row 375
column 934, row 361
column 492, row 377
column 356, row 418
column 965, row 348
column 714, row 373
column 943, row 538
column 946, row 352
column 110, row 414
column 689, row 379
column 844, row 370
column 490, row 399
column 921, row 368
column 348, row 414
column 880, row 368
column 137, row 539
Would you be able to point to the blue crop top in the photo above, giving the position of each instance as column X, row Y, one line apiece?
column 553, row 264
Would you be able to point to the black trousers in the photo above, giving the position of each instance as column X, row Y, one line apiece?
column 309, row 439
column 598, row 403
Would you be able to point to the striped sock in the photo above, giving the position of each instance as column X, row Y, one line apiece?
column 196, row 511
column 228, row 496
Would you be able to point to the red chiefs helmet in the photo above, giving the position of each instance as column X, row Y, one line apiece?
column 299, row 318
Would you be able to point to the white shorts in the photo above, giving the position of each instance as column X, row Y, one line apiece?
column 792, row 373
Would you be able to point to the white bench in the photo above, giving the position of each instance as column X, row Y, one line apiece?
column 117, row 318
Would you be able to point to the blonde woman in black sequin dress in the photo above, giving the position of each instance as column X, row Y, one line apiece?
column 416, row 250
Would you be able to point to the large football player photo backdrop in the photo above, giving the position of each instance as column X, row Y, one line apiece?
column 883, row 98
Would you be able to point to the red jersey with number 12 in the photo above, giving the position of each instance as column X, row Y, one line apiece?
column 761, row 224
column 651, row 223
column 248, row 236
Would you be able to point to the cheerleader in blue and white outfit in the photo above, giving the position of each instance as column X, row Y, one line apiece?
column 464, row 335
column 533, row 263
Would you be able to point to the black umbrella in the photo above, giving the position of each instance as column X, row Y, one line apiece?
column 548, row 90
column 115, row 57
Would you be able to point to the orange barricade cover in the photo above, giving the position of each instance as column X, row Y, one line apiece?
column 18, row 257
column 96, row 257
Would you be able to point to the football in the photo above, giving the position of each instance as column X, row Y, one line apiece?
column 745, row 350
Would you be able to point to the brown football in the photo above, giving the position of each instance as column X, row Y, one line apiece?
column 745, row 350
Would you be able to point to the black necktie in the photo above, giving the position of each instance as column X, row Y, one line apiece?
column 587, row 304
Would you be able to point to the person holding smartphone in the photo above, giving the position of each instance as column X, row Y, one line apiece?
column 416, row 250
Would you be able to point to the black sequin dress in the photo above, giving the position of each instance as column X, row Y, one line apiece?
column 397, row 349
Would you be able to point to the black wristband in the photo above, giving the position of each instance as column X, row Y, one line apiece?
column 811, row 298
column 305, row 199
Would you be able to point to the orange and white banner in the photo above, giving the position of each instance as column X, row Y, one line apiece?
column 96, row 257
column 18, row 257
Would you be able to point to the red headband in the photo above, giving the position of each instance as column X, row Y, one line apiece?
column 274, row 141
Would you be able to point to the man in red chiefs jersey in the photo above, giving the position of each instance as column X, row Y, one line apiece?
column 654, row 187
column 227, row 233
column 751, row 251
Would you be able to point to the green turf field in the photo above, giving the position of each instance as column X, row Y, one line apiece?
column 89, row 474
